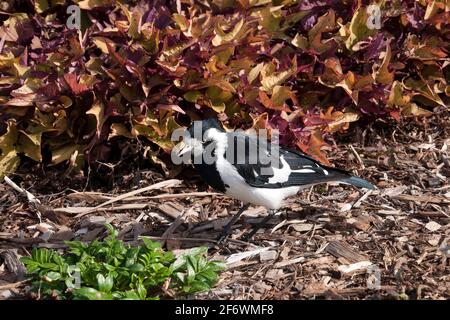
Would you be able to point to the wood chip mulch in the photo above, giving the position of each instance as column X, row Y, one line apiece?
column 330, row 242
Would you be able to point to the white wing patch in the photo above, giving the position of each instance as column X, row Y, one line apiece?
column 282, row 175
column 303, row 171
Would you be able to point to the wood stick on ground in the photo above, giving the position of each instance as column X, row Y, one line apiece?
column 173, row 226
column 31, row 198
column 93, row 196
column 159, row 185
column 361, row 163
column 358, row 202
column 341, row 249
column 82, row 210
column 13, row 285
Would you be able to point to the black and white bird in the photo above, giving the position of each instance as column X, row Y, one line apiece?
column 253, row 170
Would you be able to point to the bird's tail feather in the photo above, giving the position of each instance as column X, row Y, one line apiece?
column 358, row 182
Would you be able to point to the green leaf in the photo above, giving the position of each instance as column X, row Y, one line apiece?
column 192, row 96
column 358, row 28
column 30, row 145
column 86, row 293
column 422, row 88
column 92, row 4
column 52, row 276
column 254, row 73
column 325, row 23
column 300, row 42
column 9, row 160
column 110, row 269
column 41, row 5
column 129, row 295
column 105, row 284
column 280, row 94
column 221, row 37
column 270, row 78
column 383, row 75
column 63, row 153
column 270, row 19
column 142, row 292
column 137, row 267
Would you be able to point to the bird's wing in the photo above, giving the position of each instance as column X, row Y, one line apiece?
column 265, row 165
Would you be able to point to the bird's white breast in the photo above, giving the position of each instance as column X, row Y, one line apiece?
column 238, row 188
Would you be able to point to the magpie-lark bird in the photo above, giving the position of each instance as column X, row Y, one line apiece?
column 253, row 170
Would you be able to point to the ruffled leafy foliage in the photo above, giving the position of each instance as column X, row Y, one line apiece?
column 140, row 69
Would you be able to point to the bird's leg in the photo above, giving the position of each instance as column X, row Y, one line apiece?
column 227, row 228
column 266, row 219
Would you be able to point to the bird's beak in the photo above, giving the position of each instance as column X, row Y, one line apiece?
column 182, row 148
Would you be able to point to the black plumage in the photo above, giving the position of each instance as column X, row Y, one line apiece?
column 253, row 170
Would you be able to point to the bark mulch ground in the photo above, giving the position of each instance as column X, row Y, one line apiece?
column 330, row 242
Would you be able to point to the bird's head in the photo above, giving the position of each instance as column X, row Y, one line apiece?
column 197, row 136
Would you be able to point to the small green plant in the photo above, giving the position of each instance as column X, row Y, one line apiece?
column 110, row 269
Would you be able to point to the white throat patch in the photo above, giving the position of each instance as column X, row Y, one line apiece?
column 220, row 138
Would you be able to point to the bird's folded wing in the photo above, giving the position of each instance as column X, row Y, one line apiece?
column 264, row 165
